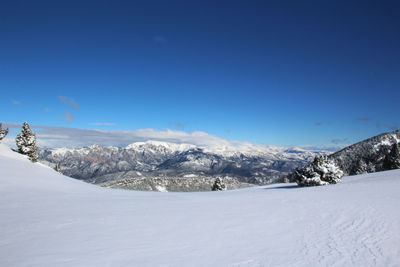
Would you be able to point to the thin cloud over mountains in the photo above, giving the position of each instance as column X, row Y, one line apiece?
column 56, row 137
column 52, row 136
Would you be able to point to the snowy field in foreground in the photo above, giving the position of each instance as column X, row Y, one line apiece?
column 47, row 219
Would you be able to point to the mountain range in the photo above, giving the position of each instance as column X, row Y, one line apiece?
column 164, row 166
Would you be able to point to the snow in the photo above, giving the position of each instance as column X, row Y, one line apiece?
column 161, row 188
column 48, row 219
column 191, row 175
column 388, row 141
column 61, row 151
column 227, row 150
column 155, row 146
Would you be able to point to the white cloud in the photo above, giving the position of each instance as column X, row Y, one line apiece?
column 52, row 136
column 16, row 102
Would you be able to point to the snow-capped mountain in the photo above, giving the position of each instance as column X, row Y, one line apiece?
column 367, row 156
column 158, row 147
column 249, row 163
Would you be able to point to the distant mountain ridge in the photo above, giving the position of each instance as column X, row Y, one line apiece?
column 368, row 156
column 251, row 164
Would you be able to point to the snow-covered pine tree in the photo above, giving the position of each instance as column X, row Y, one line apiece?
column 321, row 171
column 392, row 160
column 3, row 133
column 26, row 143
column 218, row 185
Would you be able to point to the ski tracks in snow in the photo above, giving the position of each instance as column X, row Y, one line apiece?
column 363, row 235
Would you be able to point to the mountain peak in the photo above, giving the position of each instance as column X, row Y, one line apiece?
column 157, row 146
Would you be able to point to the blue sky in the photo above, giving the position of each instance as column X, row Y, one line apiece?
column 274, row 72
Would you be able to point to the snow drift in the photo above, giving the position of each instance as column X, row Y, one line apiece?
column 47, row 219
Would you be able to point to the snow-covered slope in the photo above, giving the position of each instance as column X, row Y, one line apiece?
column 47, row 219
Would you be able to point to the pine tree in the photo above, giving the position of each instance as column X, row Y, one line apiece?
column 321, row 171
column 26, row 143
column 218, row 185
column 392, row 160
column 3, row 133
